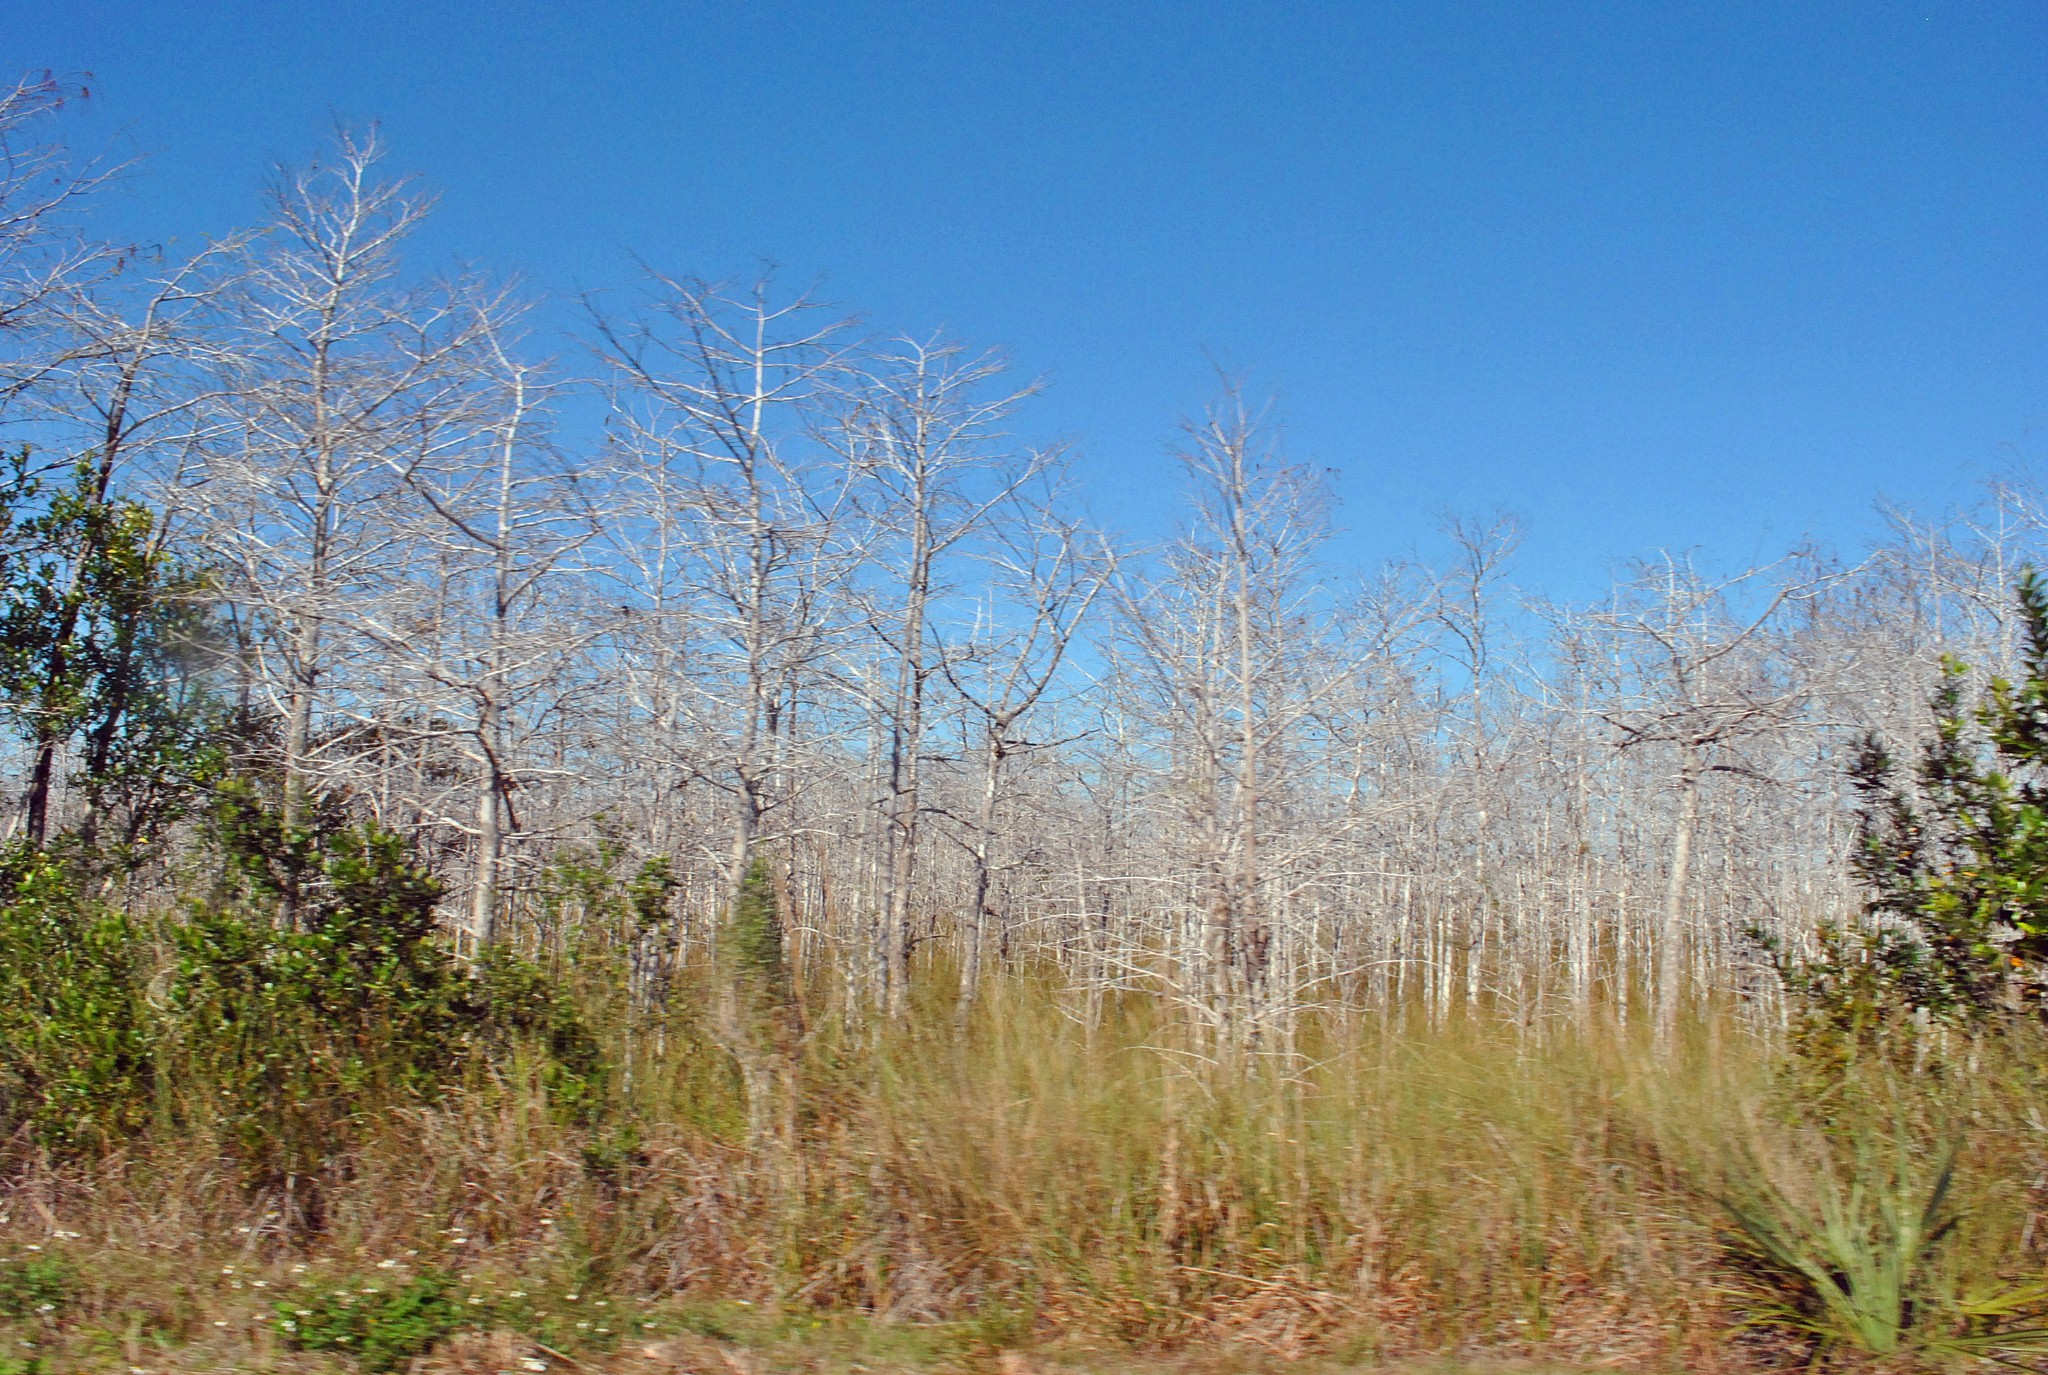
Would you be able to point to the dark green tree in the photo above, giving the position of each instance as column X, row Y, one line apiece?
column 101, row 630
column 1953, row 857
column 753, row 940
column 295, row 1033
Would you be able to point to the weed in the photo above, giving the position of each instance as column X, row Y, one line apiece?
column 382, row 1329
column 36, row 1286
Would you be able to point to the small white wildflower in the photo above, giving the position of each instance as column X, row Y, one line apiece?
column 476, row 1298
column 572, row 1297
column 387, row 1265
column 46, row 1308
column 299, row 1269
column 533, row 1364
column 582, row 1325
column 289, row 1326
column 220, row 1322
column 260, row 1284
column 32, row 1248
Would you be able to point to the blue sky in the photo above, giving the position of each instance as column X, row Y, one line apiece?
column 1650, row 275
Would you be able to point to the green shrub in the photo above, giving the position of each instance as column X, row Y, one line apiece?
column 1953, row 857
column 36, row 1285
column 290, row 1033
column 77, row 1036
column 525, row 1008
column 382, row 1329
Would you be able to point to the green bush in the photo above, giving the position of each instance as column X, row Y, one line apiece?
column 32, row 1286
column 310, row 988
column 77, row 1036
column 525, row 1008
column 291, row 1033
column 382, row 1329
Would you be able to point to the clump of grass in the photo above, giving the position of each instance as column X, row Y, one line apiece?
column 1873, row 1205
column 1852, row 1258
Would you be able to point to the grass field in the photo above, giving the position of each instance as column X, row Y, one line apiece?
column 1042, row 1194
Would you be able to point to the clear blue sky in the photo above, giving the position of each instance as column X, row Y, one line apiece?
column 1713, row 274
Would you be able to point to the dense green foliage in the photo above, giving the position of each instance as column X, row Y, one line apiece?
column 295, row 1031
column 101, row 631
column 382, row 1329
column 77, row 1037
column 753, row 940
column 32, row 1285
column 286, row 1039
column 1953, row 856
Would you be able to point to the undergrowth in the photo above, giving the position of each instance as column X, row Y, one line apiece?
column 1388, row 1190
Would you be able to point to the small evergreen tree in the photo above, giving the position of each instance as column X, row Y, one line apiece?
column 1953, row 858
column 753, row 939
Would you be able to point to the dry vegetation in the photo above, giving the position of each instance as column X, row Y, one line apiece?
column 1045, row 1190
column 717, row 864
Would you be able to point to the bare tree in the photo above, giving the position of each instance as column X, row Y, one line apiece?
column 1710, row 683
column 1225, row 649
column 484, row 626
column 47, row 260
column 921, row 424
column 1044, row 573
column 343, row 379
column 734, row 518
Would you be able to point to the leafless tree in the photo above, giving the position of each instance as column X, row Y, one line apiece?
column 47, row 258
column 343, row 379
column 1041, row 578
column 1708, row 681
column 487, row 625
column 921, row 425
column 731, row 537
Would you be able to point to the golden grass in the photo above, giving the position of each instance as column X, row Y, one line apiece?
column 1081, row 1193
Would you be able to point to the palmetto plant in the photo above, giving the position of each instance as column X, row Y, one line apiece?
column 1847, row 1254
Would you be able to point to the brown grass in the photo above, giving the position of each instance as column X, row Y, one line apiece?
column 1086, row 1195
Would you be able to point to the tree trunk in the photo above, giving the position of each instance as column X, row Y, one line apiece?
column 1672, row 942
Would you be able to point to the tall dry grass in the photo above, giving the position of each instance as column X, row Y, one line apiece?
column 1382, row 1190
